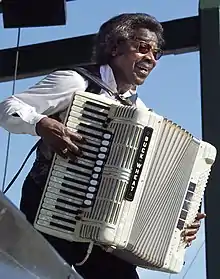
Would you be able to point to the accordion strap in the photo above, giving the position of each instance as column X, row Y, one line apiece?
column 95, row 79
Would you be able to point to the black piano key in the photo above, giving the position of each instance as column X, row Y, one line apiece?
column 70, row 194
column 53, row 224
column 88, row 150
column 85, row 133
column 74, row 180
column 67, row 210
column 101, row 113
column 91, row 143
column 87, row 157
column 68, row 202
column 78, row 172
column 81, row 164
column 97, row 105
column 94, row 128
column 90, row 117
column 64, row 219
column 74, row 188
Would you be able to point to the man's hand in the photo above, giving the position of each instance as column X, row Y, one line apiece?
column 59, row 138
column 191, row 231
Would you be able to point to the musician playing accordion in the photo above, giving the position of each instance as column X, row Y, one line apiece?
column 127, row 49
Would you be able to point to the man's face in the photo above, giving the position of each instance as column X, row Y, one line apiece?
column 135, row 59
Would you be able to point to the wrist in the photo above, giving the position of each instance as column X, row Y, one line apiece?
column 39, row 123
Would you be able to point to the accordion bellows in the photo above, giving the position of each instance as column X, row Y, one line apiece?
column 137, row 186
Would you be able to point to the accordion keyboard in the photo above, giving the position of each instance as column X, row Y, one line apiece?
column 67, row 194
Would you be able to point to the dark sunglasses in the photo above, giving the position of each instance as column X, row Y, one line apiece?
column 144, row 48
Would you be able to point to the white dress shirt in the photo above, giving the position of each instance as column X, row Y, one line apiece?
column 49, row 96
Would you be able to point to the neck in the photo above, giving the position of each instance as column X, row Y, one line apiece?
column 122, row 85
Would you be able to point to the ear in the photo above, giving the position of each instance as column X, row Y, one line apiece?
column 117, row 50
column 114, row 51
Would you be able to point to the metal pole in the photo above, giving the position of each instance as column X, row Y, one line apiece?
column 210, row 90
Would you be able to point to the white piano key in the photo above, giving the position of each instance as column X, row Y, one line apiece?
column 58, row 186
column 64, row 198
column 62, row 180
column 72, row 166
column 70, row 173
column 50, row 204
column 50, row 213
column 47, row 224
column 59, row 222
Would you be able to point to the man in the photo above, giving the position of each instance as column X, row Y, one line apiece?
column 127, row 49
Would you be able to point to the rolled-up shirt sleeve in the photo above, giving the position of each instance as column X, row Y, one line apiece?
column 20, row 113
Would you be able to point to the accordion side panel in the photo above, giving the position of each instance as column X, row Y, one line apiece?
column 172, row 205
column 196, row 187
column 164, row 195
column 149, row 234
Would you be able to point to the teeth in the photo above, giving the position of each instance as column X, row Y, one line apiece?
column 142, row 68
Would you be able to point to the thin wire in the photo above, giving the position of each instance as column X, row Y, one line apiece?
column 197, row 253
column 19, row 171
column 13, row 92
column 193, row 260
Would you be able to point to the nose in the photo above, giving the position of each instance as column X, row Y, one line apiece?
column 150, row 57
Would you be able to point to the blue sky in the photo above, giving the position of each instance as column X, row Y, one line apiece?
column 172, row 90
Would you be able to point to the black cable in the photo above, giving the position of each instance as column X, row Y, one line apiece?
column 193, row 260
column 13, row 92
column 23, row 164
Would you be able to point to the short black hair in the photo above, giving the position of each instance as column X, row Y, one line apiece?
column 120, row 28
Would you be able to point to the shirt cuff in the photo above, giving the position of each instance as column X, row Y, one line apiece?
column 34, row 121
column 31, row 117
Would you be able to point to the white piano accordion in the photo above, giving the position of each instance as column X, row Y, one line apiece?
column 137, row 186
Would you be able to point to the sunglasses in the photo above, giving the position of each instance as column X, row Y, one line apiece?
column 144, row 48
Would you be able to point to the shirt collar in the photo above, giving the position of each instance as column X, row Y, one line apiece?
column 108, row 77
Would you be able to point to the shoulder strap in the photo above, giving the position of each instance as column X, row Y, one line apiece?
column 95, row 79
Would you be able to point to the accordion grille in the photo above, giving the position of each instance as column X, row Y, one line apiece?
column 116, row 174
column 161, row 202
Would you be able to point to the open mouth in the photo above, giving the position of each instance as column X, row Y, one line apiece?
column 141, row 70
